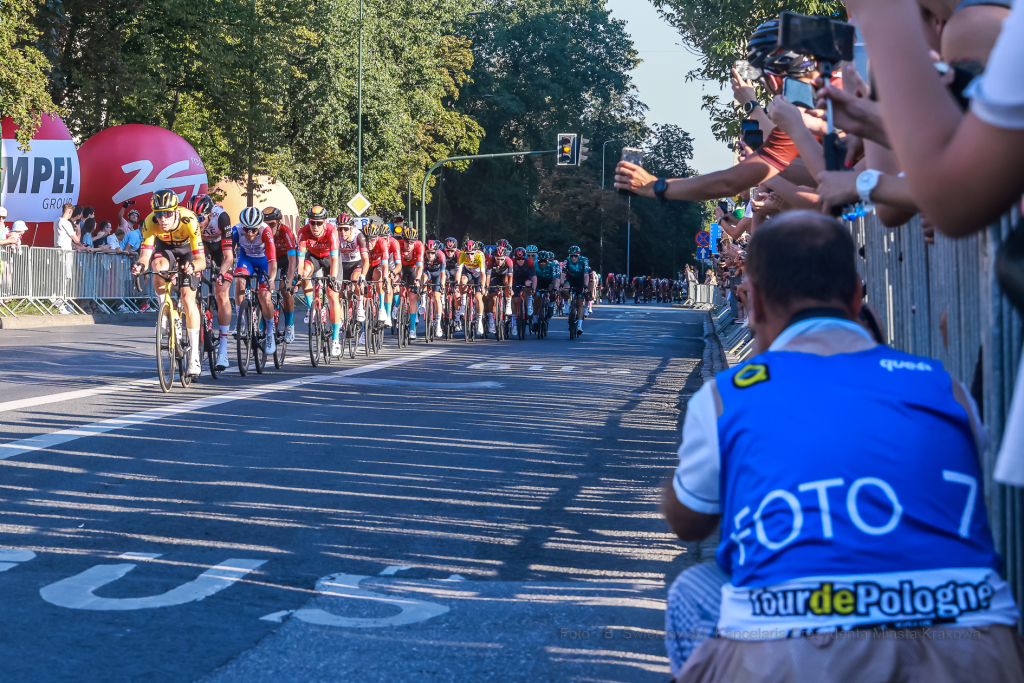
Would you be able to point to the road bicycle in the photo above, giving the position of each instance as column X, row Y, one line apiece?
column 211, row 323
column 430, row 306
column 251, row 327
column 400, row 323
column 352, row 329
column 173, row 347
column 574, row 314
column 319, row 322
column 468, row 317
column 502, row 324
column 280, row 330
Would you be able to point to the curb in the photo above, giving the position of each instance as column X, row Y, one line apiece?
column 35, row 321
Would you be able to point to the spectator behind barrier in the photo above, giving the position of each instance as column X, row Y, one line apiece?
column 846, row 479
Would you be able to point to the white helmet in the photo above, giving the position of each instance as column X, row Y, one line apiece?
column 251, row 217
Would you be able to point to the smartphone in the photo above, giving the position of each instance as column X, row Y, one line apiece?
column 724, row 206
column 798, row 92
column 745, row 71
column 633, row 156
column 860, row 58
column 820, row 37
column 749, row 124
column 754, row 138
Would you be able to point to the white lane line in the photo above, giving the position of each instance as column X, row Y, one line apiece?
column 72, row 395
column 373, row 382
column 35, row 443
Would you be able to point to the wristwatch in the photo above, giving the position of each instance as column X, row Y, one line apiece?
column 867, row 181
column 659, row 189
column 749, row 107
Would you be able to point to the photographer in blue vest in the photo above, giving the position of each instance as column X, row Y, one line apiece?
column 846, row 479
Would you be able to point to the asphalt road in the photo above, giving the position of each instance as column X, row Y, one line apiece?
column 451, row 512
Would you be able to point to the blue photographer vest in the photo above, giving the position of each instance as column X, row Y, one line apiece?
column 851, row 497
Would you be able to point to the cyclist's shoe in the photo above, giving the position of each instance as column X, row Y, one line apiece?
column 222, row 358
column 305, row 318
column 289, row 334
column 579, row 327
column 479, row 327
column 270, row 345
column 412, row 333
column 529, row 306
column 362, row 339
column 490, row 325
column 438, row 332
column 422, row 309
column 515, row 329
column 360, row 314
column 508, row 307
column 458, row 325
column 336, row 347
column 195, row 366
column 383, row 317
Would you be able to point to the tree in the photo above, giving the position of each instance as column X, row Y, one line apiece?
column 23, row 81
column 717, row 32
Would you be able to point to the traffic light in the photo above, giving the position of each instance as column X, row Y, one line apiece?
column 566, row 144
column 581, row 156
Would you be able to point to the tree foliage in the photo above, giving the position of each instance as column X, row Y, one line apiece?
column 717, row 32
column 23, row 82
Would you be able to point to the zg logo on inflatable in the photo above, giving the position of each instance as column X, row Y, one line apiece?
column 133, row 161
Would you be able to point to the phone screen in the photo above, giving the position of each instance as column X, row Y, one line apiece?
column 860, row 58
column 754, row 138
column 633, row 155
column 798, row 92
column 749, row 124
column 819, row 37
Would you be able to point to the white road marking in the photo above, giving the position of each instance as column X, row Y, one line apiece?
column 488, row 366
column 73, row 395
column 16, row 555
column 392, row 570
column 347, row 586
column 140, row 556
column 277, row 616
column 35, row 443
column 77, row 591
column 536, row 367
column 370, row 382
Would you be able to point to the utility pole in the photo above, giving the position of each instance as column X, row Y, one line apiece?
column 359, row 143
column 629, row 228
column 252, row 79
column 601, row 268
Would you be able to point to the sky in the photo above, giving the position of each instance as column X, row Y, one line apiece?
column 659, row 80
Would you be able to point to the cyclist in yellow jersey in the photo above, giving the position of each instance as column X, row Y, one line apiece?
column 172, row 233
column 472, row 270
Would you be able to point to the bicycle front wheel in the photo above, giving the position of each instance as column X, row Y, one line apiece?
column 243, row 344
column 314, row 336
column 260, row 330
column 211, row 344
column 165, row 346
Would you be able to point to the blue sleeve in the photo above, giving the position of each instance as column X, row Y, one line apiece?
column 531, row 273
column 234, row 239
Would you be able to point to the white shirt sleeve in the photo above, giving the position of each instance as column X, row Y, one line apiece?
column 696, row 478
column 1010, row 464
column 997, row 96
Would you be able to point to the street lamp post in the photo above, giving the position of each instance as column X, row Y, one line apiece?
column 629, row 228
column 601, row 268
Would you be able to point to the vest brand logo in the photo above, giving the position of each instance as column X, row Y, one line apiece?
column 908, row 601
column 751, row 375
column 891, row 364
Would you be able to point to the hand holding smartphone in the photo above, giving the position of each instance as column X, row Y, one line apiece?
column 635, row 156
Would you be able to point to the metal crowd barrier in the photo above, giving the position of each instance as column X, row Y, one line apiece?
column 944, row 301
column 44, row 280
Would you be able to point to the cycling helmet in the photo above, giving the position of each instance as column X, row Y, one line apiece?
column 272, row 214
column 500, row 251
column 532, row 249
column 251, row 217
column 574, row 251
column 469, row 245
column 201, row 205
column 344, row 218
column 405, row 233
column 451, row 243
column 504, row 243
column 433, row 245
column 763, row 42
column 317, row 213
column 164, row 200
column 519, row 253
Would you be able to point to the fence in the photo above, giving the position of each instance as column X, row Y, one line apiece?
column 41, row 280
column 944, row 301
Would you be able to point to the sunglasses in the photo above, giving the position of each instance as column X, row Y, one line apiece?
column 574, row 256
column 317, row 224
column 162, row 214
column 248, row 230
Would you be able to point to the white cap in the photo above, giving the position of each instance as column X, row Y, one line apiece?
column 3, row 212
column 19, row 226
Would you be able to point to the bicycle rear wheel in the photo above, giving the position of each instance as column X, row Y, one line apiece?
column 260, row 330
column 326, row 333
column 165, row 348
column 186, row 353
column 209, row 343
column 314, row 336
column 243, row 342
column 282, row 345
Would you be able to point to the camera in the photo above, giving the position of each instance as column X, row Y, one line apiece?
column 745, row 71
column 820, row 37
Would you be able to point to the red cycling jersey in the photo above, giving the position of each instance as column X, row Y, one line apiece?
column 500, row 269
column 412, row 254
column 394, row 250
column 378, row 251
column 322, row 246
column 284, row 240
